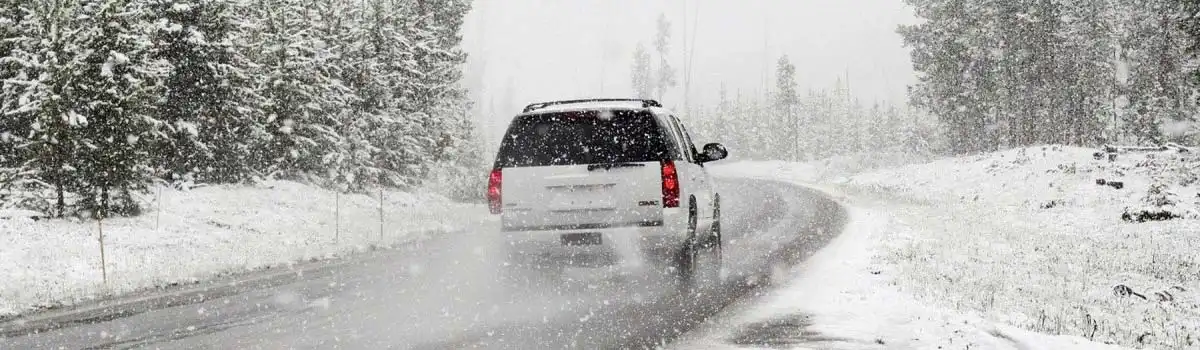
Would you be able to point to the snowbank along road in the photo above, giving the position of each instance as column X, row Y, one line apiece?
column 452, row 292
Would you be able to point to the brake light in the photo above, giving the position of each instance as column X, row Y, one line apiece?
column 670, row 185
column 493, row 193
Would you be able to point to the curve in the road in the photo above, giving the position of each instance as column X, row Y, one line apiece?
column 448, row 292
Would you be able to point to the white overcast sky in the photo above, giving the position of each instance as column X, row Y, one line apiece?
column 523, row 51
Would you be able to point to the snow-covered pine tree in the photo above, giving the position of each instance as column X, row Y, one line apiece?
column 875, row 138
column 383, row 87
column 1006, row 76
column 1045, row 80
column 1012, row 73
column 304, row 97
column 739, row 126
column 343, row 148
column 1189, row 24
column 1154, row 52
column 326, row 133
column 859, row 120
column 114, row 91
column 443, row 69
column 643, row 84
column 839, row 120
column 942, row 59
column 426, row 90
column 664, row 75
column 40, row 93
column 14, row 127
column 211, row 111
column 823, row 105
column 15, row 160
column 723, row 103
column 1088, row 70
column 760, row 132
column 364, row 52
column 786, row 111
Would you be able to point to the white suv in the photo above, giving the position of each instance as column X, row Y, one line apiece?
column 576, row 181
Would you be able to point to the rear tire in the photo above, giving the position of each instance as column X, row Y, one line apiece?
column 718, row 239
column 699, row 261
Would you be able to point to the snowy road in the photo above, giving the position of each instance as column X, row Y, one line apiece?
column 447, row 292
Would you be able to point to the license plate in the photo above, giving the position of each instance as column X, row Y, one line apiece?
column 589, row 238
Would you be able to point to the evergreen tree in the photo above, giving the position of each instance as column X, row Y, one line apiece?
column 665, row 75
column 787, row 109
column 1088, row 66
column 442, row 67
column 210, row 111
column 643, row 85
column 942, row 59
column 39, row 98
column 305, row 97
column 874, row 134
column 14, row 128
column 115, row 89
column 17, row 175
column 418, row 89
column 1154, row 54
column 100, row 96
column 1023, row 72
column 364, row 34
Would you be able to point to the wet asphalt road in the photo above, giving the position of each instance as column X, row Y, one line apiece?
column 450, row 292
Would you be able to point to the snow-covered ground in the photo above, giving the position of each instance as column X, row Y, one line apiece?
column 843, row 297
column 205, row 232
column 1014, row 249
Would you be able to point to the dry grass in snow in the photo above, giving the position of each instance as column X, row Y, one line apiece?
column 1032, row 238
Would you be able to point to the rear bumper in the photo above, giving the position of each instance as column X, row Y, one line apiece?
column 616, row 243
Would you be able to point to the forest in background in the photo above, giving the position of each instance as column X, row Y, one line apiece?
column 1009, row 73
column 104, row 98
column 992, row 75
column 785, row 123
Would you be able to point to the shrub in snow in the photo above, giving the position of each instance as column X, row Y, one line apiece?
column 1172, row 171
column 1114, row 184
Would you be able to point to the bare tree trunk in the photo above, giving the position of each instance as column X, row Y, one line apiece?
column 61, row 205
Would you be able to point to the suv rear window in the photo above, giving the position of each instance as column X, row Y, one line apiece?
column 582, row 137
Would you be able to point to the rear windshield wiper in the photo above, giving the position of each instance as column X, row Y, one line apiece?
column 607, row 166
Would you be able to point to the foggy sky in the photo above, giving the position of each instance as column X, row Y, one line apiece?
column 524, row 51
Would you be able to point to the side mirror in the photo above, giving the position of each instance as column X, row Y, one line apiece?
column 713, row 152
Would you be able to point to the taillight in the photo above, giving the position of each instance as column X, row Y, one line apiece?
column 670, row 185
column 493, row 194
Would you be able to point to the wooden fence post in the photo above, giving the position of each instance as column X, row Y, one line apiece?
column 103, row 259
column 337, row 216
column 381, row 213
column 158, row 209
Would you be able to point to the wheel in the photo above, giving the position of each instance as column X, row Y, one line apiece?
column 716, row 225
column 718, row 240
column 699, row 260
column 713, row 245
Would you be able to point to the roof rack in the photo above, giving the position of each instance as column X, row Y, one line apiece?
column 646, row 103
